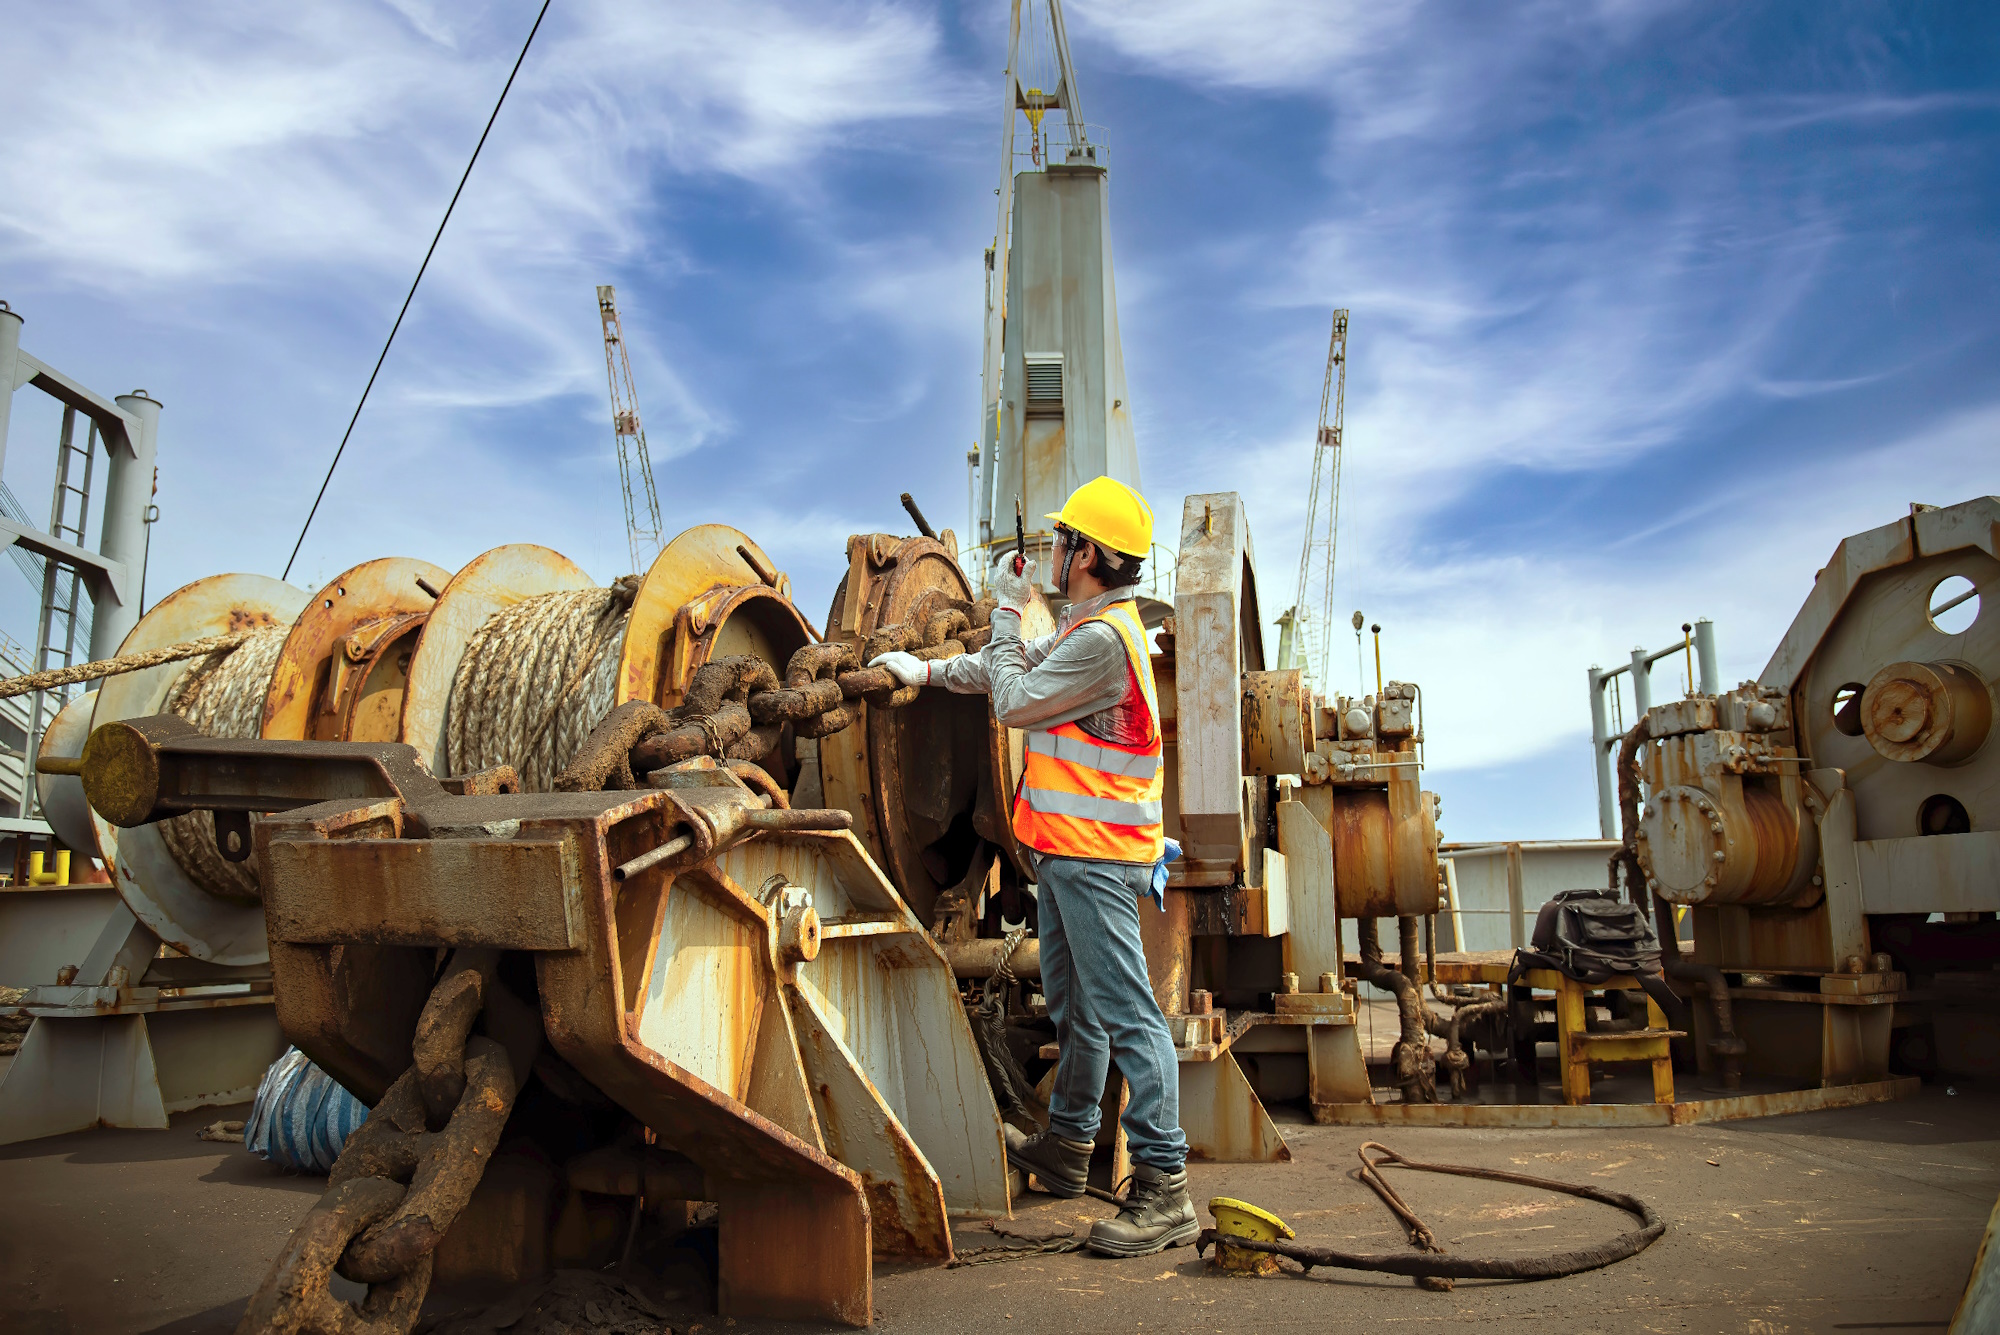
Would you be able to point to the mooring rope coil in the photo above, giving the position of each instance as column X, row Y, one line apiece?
column 222, row 695
column 535, row 679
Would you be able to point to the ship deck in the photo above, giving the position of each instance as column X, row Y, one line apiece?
column 1862, row 1218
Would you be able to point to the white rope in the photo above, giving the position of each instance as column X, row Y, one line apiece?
column 534, row 681
column 222, row 695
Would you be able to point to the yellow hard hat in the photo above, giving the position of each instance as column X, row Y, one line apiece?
column 1111, row 514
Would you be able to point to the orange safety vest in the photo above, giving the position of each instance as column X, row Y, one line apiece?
column 1085, row 798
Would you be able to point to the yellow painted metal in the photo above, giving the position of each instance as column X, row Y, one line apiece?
column 701, row 599
column 159, row 893
column 492, row 582
column 1240, row 1219
column 308, row 678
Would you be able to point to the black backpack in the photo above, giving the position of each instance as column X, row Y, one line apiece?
column 1593, row 935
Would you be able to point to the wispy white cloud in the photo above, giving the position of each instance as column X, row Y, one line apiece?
column 1259, row 44
column 332, row 135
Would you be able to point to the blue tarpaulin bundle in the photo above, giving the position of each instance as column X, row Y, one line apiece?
column 302, row 1116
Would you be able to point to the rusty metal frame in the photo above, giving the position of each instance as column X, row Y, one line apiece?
column 315, row 684
column 657, row 658
column 827, row 1084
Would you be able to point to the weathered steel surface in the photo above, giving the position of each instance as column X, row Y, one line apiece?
column 1222, row 1117
column 512, row 894
column 1277, row 722
column 1936, row 713
column 681, row 606
column 807, row 1084
column 343, row 669
column 1945, row 873
column 884, row 989
column 61, row 795
column 1363, row 833
column 1315, row 916
column 489, row 583
column 1973, row 526
column 703, row 598
column 1869, row 613
column 1215, row 599
column 161, row 895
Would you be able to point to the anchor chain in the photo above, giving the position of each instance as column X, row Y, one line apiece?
column 735, row 708
column 399, row 1183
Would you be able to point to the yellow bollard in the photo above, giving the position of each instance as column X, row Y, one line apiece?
column 1239, row 1219
column 36, row 874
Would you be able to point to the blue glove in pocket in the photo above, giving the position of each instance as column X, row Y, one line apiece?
column 1159, row 891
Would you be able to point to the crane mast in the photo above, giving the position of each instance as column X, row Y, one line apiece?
column 1312, row 613
column 642, row 513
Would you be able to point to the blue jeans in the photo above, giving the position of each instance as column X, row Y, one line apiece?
column 1094, row 976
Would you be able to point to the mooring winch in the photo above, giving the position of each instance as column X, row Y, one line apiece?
column 763, row 1002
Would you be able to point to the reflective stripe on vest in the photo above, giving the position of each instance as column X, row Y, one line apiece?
column 1110, row 759
column 1091, row 808
column 1082, row 797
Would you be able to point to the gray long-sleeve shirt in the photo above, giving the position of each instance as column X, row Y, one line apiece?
column 1082, row 677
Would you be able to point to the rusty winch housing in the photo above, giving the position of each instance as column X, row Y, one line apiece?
column 1831, row 827
column 1725, row 820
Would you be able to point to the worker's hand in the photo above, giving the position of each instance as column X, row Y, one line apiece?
column 906, row 668
column 1014, row 591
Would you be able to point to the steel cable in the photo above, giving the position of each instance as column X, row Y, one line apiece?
column 501, row 101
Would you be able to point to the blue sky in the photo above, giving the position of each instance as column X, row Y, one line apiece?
column 1652, row 302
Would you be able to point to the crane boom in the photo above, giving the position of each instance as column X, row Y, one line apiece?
column 642, row 506
column 1312, row 614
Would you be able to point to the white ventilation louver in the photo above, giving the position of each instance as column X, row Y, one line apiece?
column 1045, row 381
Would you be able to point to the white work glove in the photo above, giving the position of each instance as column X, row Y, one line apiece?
column 906, row 668
column 1013, row 591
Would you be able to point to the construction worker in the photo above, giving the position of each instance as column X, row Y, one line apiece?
column 1089, row 807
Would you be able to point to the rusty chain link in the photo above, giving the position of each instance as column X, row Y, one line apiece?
column 401, row 1180
column 735, row 708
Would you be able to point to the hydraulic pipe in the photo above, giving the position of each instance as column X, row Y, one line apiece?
column 1416, row 1069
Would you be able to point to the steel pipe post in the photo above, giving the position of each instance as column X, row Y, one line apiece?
column 128, row 494
column 10, row 357
column 1704, row 657
column 1600, row 750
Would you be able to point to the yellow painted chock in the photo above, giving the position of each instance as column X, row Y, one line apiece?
column 1240, row 1219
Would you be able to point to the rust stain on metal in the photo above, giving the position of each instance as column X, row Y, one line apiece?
column 319, row 680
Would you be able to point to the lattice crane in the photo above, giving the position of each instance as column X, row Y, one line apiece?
column 1312, row 614
column 642, row 513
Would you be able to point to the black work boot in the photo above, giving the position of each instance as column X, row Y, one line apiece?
column 1157, row 1215
column 1061, row 1166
